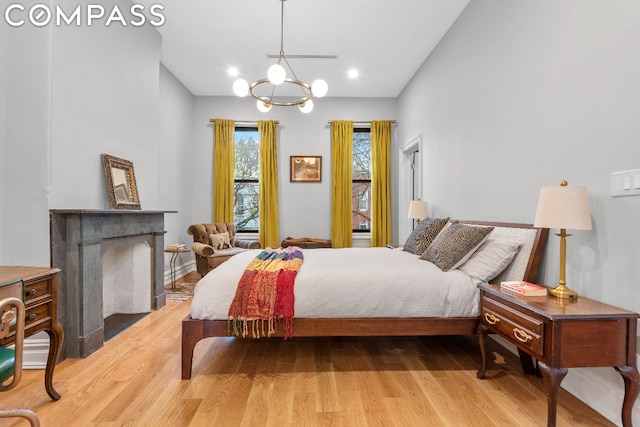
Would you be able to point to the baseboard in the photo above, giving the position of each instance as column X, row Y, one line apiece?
column 181, row 271
column 602, row 389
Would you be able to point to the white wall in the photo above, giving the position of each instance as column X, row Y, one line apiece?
column 25, row 239
column 520, row 95
column 105, row 100
column 176, row 151
column 305, row 208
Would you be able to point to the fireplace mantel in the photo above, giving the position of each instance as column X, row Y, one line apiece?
column 78, row 239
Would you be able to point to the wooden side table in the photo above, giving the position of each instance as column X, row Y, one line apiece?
column 40, row 300
column 563, row 334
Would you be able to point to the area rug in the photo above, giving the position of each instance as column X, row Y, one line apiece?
column 180, row 292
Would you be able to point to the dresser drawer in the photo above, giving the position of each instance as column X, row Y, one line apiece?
column 521, row 329
column 37, row 291
column 36, row 315
column 35, row 319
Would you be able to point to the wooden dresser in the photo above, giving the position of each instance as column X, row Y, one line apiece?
column 562, row 334
column 40, row 295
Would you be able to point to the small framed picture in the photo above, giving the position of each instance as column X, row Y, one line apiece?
column 306, row 169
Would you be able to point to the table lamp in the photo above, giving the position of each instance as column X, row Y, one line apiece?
column 418, row 210
column 564, row 207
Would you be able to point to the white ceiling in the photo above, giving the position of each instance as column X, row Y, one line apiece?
column 386, row 41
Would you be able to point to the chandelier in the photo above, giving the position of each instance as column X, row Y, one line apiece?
column 277, row 76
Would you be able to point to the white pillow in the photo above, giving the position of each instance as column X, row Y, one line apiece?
column 490, row 259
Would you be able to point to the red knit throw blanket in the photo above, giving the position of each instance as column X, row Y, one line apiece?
column 265, row 293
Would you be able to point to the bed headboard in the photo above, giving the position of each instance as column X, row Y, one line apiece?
column 526, row 264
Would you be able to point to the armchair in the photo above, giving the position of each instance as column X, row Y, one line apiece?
column 12, row 312
column 208, row 256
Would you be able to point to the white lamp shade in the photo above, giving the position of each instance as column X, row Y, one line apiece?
column 276, row 74
column 306, row 107
column 319, row 88
column 563, row 206
column 241, row 87
column 263, row 107
column 418, row 209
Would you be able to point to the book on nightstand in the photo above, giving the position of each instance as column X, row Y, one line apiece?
column 524, row 288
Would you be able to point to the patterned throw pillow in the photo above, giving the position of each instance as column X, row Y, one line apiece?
column 424, row 234
column 220, row 240
column 455, row 245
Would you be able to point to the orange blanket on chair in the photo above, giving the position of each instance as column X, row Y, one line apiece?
column 265, row 293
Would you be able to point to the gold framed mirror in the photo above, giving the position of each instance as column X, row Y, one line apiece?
column 121, row 183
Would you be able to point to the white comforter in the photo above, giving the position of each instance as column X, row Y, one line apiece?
column 351, row 282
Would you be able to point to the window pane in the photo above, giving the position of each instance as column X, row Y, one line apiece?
column 361, row 155
column 361, row 206
column 246, row 208
column 247, row 146
column 361, row 191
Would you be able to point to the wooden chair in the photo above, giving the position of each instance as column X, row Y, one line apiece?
column 12, row 313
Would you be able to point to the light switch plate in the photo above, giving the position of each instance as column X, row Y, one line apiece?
column 625, row 183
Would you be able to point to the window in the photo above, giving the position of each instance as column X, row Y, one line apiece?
column 364, row 202
column 361, row 181
column 246, row 202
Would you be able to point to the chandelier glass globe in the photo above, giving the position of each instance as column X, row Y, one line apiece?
column 307, row 107
column 263, row 107
column 276, row 74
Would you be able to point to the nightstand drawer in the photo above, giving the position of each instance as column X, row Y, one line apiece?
column 521, row 329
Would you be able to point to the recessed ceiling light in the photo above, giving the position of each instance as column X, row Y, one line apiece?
column 353, row 73
column 232, row 71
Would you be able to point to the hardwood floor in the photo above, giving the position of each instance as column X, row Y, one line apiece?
column 134, row 380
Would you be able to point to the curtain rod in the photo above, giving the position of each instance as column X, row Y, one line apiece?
column 364, row 122
column 246, row 122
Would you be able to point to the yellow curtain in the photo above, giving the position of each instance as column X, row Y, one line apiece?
column 380, row 183
column 223, row 169
column 341, row 170
column 269, row 234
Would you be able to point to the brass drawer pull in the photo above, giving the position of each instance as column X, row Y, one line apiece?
column 31, row 317
column 491, row 319
column 32, row 292
column 521, row 335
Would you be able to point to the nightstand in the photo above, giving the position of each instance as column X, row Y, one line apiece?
column 562, row 334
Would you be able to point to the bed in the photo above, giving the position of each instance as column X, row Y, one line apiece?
column 330, row 285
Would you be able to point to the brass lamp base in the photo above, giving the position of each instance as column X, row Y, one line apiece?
column 562, row 291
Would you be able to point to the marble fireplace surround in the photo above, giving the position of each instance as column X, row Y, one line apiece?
column 79, row 238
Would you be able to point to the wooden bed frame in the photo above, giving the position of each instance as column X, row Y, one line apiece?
column 194, row 330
